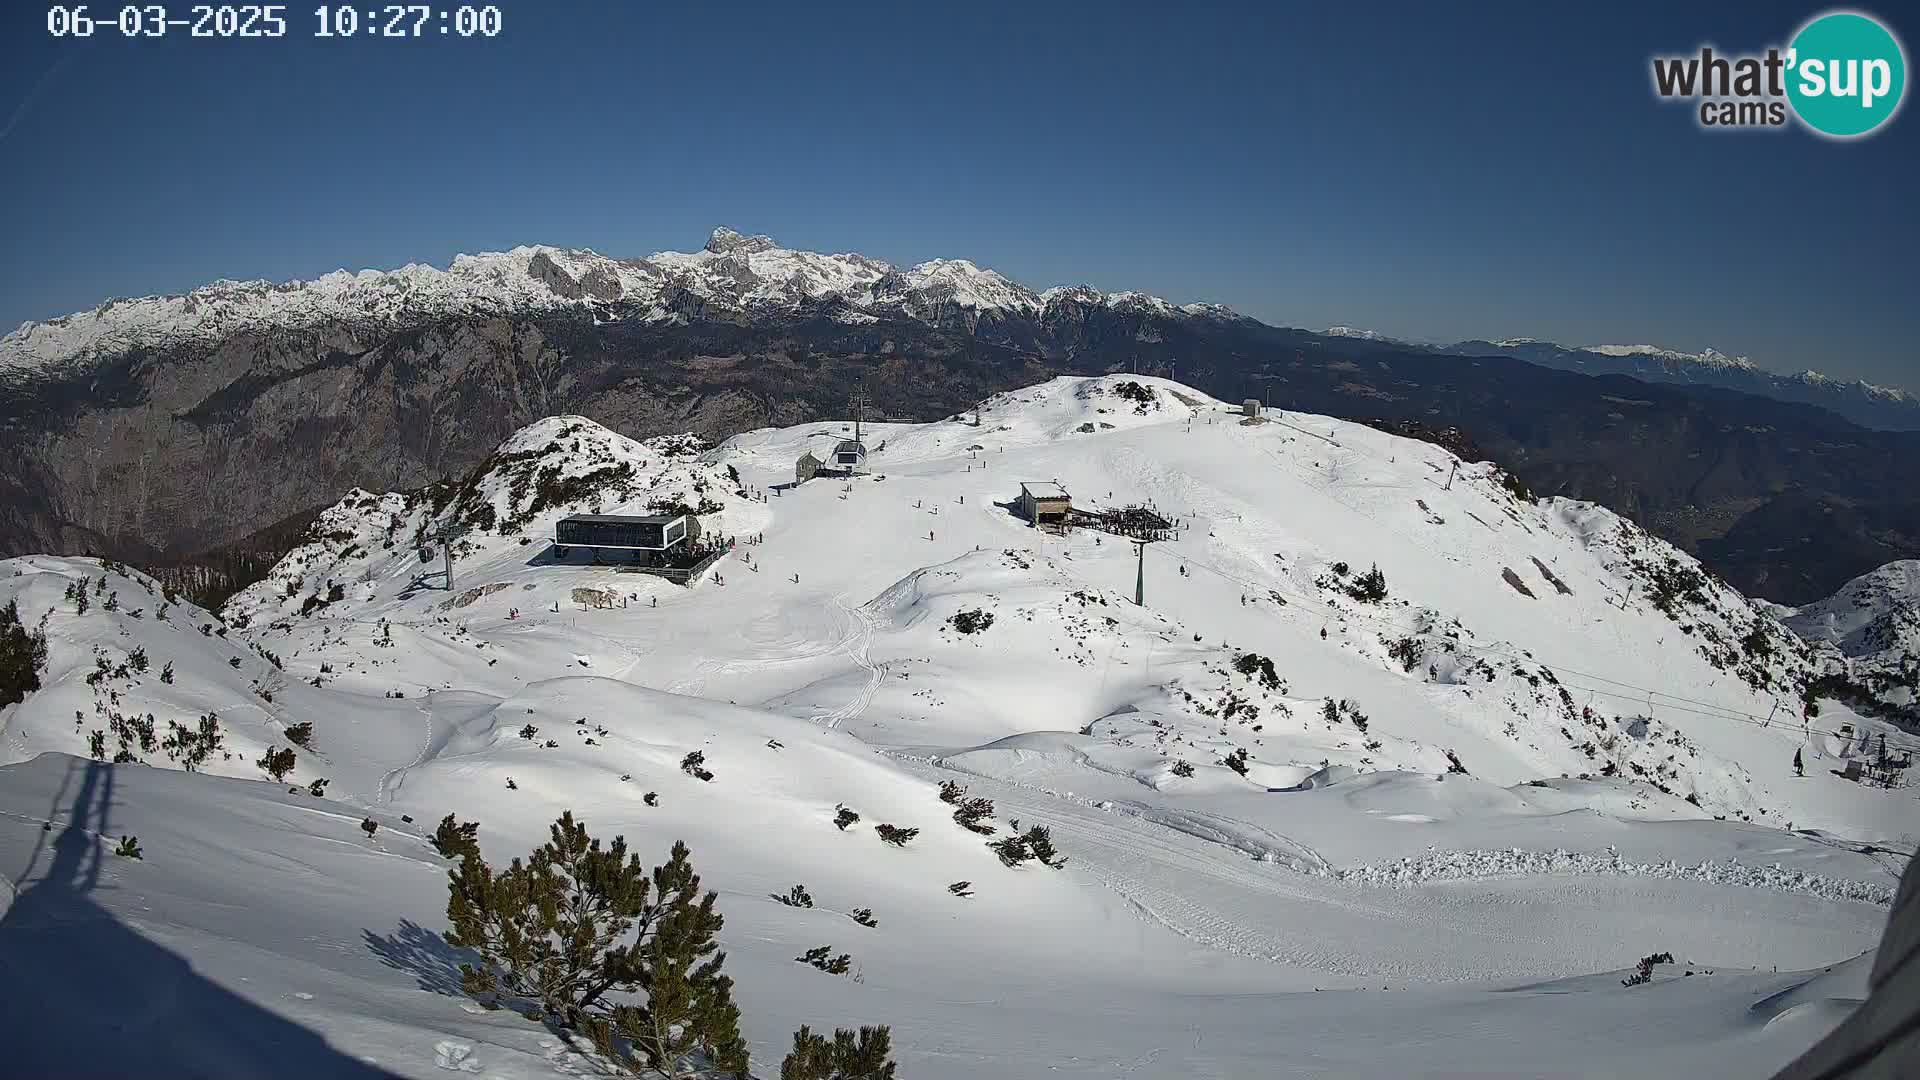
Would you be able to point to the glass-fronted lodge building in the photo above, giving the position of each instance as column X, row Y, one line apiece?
column 653, row 532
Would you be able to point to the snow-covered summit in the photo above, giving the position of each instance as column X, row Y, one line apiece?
column 732, row 271
column 1358, row 333
column 1875, row 613
column 1709, row 357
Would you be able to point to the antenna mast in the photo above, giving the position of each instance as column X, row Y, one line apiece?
column 859, row 406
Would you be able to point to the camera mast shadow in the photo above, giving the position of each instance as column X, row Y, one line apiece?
column 105, row 1001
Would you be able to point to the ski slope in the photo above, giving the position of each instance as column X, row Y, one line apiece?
column 1626, row 727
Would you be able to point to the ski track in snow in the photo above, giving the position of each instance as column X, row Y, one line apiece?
column 1132, row 864
column 384, row 796
column 1483, row 865
column 857, row 645
column 853, row 642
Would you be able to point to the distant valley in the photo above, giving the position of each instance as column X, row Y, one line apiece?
column 160, row 429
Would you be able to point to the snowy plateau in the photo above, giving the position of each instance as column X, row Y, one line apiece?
column 1395, row 773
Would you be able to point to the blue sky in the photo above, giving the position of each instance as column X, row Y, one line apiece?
column 1428, row 170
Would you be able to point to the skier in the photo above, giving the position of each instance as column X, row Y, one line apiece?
column 1799, row 767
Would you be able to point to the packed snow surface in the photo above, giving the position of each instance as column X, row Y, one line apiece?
column 1390, row 775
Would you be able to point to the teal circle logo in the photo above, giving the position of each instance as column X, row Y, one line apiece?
column 1846, row 74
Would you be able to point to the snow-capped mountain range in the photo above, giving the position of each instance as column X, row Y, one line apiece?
column 734, row 272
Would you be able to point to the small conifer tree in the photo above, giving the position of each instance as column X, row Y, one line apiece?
column 843, row 817
column 972, row 815
column 576, row 920
column 1012, row 850
column 277, row 762
column 865, row 1056
column 129, row 847
column 456, row 839
column 895, row 835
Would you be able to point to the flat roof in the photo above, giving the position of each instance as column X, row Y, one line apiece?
column 1044, row 489
column 625, row 519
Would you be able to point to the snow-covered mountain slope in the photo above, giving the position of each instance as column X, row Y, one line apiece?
column 1874, row 614
column 732, row 273
column 264, row 933
column 1539, row 745
column 136, row 675
column 1526, row 640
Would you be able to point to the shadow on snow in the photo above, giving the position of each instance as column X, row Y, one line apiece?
column 98, row 999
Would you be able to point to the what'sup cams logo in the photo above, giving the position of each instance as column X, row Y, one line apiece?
column 1842, row 76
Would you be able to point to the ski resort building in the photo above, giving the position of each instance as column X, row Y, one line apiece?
column 806, row 468
column 652, row 532
column 1251, row 407
column 1045, row 503
column 850, row 454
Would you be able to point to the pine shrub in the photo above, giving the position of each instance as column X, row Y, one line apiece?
column 457, row 839
column 129, row 847
column 865, row 1056
column 694, row 765
column 1040, row 841
column 277, row 762
column 575, row 921
column 823, row 957
column 972, row 815
column 23, row 656
column 893, row 834
column 1012, row 850
column 798, row 896
column 843, row 817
